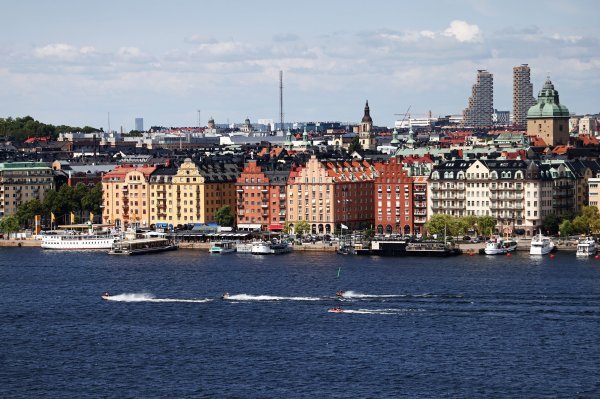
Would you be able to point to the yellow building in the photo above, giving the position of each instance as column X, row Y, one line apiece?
column 191, row 194
column 126, row 194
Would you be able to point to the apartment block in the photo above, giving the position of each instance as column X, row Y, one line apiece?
column 480, row 108
column 523, row 98
column 21, row 182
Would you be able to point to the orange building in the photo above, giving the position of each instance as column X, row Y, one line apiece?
column 331, row 195
column 126, row 194
column 261, row 198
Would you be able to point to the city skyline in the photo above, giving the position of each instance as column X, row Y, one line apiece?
column 69, row 63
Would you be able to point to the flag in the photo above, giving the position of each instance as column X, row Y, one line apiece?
column 344, row 227
column 52, row 217
column 91, row 217
column 72, row 218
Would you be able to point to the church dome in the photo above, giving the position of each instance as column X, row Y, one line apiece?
column 548, row 104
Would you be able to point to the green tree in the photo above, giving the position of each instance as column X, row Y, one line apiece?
column 439, row 223
column 27, row 211
column 224, row 217
column 550, row 224
column 354, row 145
column 486, row 225
column 301, row 227
column 566, row 228
column 9, row 224
column 588, row 221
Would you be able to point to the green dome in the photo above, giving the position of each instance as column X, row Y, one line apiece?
column 548, row 104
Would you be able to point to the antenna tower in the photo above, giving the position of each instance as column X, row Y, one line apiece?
column 281, row 100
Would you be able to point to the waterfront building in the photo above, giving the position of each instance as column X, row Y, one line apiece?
column 519, row 194
column 397, row 200
column 21, row 182
column 522, row 95
column 126, row 194
column 330, row 195
column 479, row 111
column 365, row 131
column 261, row 198
column 594, row 192
column 548, row 118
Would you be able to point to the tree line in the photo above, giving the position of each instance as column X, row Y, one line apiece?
column 24, row 127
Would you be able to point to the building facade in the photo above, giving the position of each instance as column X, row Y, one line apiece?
column 21, row 182
column 331, row 195
column 479, row 111
column 126, row 196
column 394, row 199
column 365, row 131
column 261, row 198
column 548, row 118
column 522, row 94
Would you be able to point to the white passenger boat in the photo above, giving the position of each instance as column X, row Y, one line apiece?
column 75, row 240
column 586, row 246
column 269, row 248
column 244, row 248
column 139, row 246
column 541, row 245
column 498, row 246
column 223, row 247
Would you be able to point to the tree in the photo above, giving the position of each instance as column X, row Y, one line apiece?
column 486, row 225
column 354, row 145
column 224, row 217
column 9, row 224
column 301, row 227
column 566, row 228
column 27, row 211
column 550, row 223
column 440, row 223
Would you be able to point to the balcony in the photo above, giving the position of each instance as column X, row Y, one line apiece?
column 265, row 205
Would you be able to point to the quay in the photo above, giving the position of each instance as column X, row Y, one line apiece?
column 523, row 245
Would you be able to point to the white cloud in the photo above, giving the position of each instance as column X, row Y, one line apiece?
column 464, row 32
column 62, row 51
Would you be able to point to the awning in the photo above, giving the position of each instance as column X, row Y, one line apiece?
column 275, row 227
column 249, row 226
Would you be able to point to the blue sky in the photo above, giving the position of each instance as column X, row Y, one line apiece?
column 72, row 62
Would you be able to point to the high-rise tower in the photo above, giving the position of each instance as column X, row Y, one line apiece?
column 522, row 94
column 481, row 103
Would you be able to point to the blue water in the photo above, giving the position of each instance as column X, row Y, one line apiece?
column 435, row 328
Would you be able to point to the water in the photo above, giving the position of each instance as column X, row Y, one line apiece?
column 460, row 327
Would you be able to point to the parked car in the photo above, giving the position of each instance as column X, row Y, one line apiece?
column 466, row 238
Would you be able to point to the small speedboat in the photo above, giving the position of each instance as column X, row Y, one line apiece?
column 336, row 310
column 106, row 296
column 340, row 293
column 225, row 296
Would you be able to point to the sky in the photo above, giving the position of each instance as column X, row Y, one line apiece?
column 74, row 62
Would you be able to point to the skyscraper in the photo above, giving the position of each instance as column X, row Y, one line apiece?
column 139, row 124
column 481, row 103
column 522, row 94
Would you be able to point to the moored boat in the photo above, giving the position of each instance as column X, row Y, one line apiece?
column 497, row 246
column 269, row 248
column 586, row 246
column 541, row 245
column 75, row 240
column 223, row 247
column 432, row 248
column 139, row 246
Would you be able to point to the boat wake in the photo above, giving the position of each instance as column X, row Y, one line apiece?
column 246, row 297
column 150, row 298
column 356, row 295
column 382, row 311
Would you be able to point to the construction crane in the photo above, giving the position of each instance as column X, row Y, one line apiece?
column 405, row 115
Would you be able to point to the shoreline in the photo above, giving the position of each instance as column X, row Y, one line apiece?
column 316, row 247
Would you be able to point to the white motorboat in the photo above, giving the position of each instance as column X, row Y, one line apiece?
column 586, row 246
column 498, row 246
column 223, row 247
column 541, row 245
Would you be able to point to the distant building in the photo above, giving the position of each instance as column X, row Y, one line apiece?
column 522, row 94
column 481, row 103
column 21, row 182
column 548, row 119
column 139, row 124
column 501, row 118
